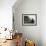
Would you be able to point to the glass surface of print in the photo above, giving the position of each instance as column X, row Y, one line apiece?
column 29, row 19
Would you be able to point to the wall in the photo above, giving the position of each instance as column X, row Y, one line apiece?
column 6, row 13
column 43, row 22
column 28, row 7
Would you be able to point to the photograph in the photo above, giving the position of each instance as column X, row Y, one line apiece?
column 29, row 19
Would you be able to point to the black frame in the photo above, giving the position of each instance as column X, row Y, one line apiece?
column 29, row 24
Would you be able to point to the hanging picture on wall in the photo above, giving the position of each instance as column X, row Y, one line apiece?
column 29, row 19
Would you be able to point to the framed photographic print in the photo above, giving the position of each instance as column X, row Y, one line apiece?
column 29, row 19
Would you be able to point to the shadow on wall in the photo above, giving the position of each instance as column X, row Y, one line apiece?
column 17, row 4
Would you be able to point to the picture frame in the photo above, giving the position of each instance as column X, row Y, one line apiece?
column 29, row 19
